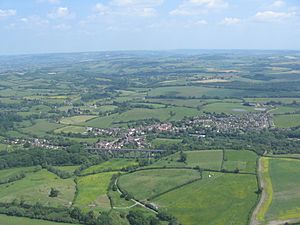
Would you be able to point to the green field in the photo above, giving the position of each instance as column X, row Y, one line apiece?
column 35, row 187
column 244, row 161
column 41, row 127
column 147, row 183
column 229, row 108
column 76, row 119
column 92, row 192
column 113, row 164
column 210, row 159
column 192, row 91
column 14, row 171
column 162, row 114
column 12, row 220
column 70, row 169
column 217, row 200
column 70, row 129
column 287, row 121
column 284, row 109
column 282, row 100
column 285, row 178
column 158, row 141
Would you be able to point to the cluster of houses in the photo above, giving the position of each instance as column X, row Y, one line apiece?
column 231, row 123
column 134, row 137
column 38, row 143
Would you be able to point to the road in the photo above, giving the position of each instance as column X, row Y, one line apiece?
column 263, row 197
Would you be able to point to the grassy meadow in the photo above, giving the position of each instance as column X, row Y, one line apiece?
column 244, row 161
column 218, row 199
column 35, row 187
column 210, row 159
column 113, row 164
column 92, row 192
column 148, row 183
column 285, row 178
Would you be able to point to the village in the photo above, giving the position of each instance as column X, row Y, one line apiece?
column 136, row 138
column 196, row 126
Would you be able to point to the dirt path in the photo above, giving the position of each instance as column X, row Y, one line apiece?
column 263, row 197
column 133, row 200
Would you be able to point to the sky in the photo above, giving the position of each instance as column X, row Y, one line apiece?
column 45, row 26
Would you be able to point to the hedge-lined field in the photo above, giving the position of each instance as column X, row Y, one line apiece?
column 35, row 187
column 92, row 192
column 285, row 177
column 219, row 199
column 210, row 159
column 148, row 183
column 113, row 164
column 244, row 161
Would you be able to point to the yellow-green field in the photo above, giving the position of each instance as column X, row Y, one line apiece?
column 285, row 179
column 92, row 192
column 218, row 199
column 210, row 159
column 244, row 161
column 76, row 119
column 147, row 183
column 113, row 164
column 35, row 187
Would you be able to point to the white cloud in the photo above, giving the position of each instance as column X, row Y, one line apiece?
column 34, row 21
column 49, row 1
column 62, row 27
column 140, row 8
column 210, row 3
column 201, row 22
column 61, row 13
column 271, row 16
column 7, row 13
column 147, row 12
column 102, row 9
column 195, row 7
column 278, row 4
column 137, row 3
column 230, row 21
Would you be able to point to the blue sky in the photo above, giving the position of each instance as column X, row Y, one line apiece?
column 39, row 26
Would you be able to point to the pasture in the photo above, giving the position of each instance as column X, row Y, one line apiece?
column 70, row 129
column 35, row 187
column 148, row 183
column 14, row 171
column 158, row 141
column 113, row 164
column 216, row 200
column 244, row 161
column 287, row 121
column 285, row 178
column 229, row 108
column 41, row 127
column 92, row 192
column 76, row 119
column 210, row 159
column 137, row 114
column 192, row 91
